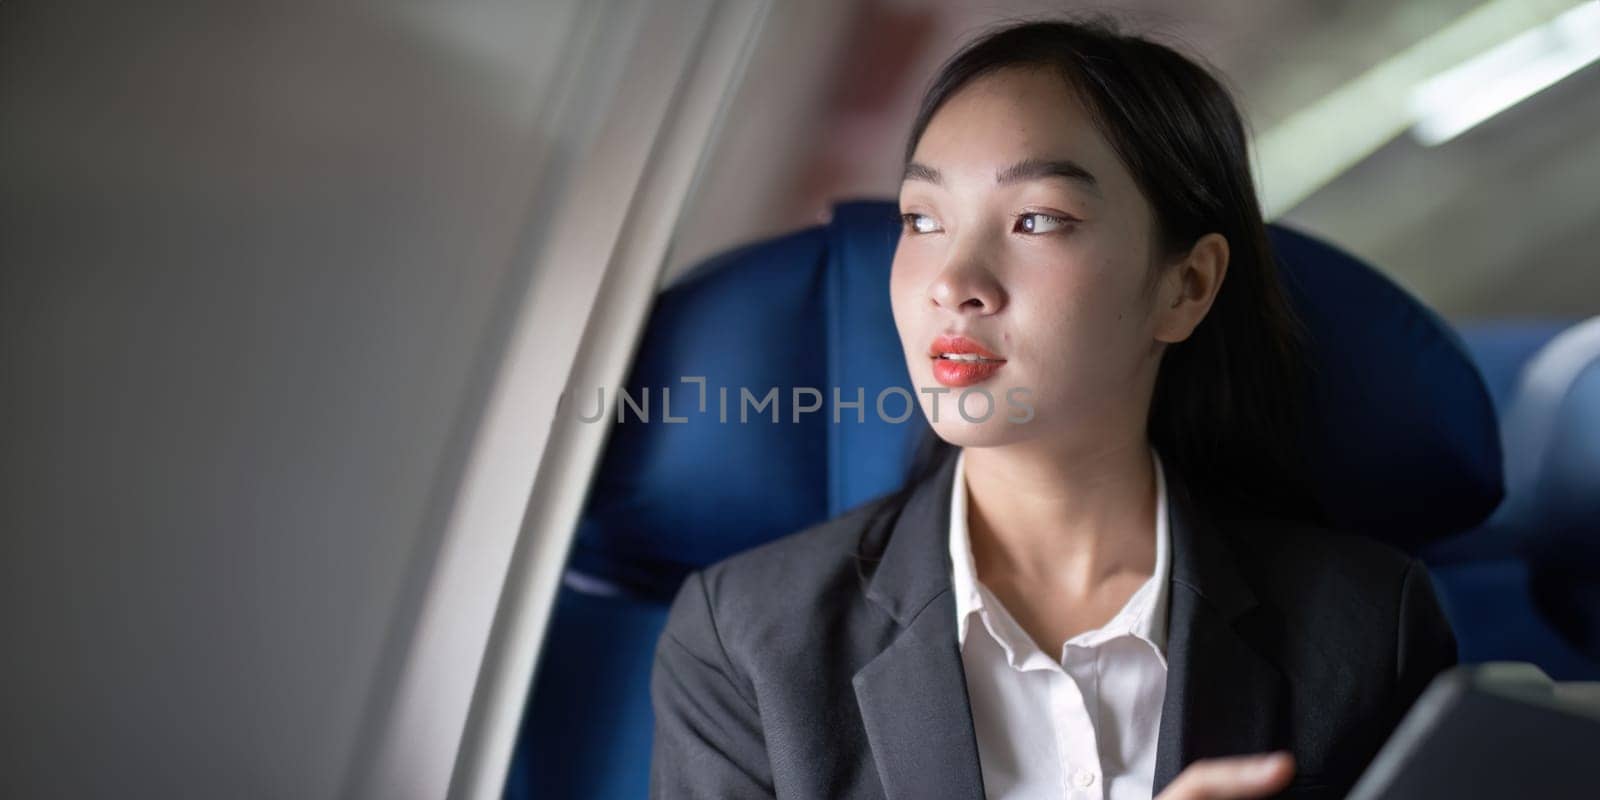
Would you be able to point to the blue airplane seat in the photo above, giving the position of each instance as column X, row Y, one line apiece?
column 1558, row 414
column 1497, row 580
column 1405, row 447
column 1553, row 471
column 1535, row 564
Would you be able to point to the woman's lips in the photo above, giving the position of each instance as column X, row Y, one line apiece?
column 971, row 363
column 953, row 343
column 964, row 373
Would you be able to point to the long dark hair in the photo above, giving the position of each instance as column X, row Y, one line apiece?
column 1229, row 400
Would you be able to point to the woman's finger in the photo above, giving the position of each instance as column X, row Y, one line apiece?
column 1234, row 778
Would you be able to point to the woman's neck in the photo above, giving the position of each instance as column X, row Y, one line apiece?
column 1071, row 520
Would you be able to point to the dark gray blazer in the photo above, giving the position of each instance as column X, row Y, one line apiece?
column 825, row 664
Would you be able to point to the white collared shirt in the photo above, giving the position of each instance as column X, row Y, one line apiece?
column 1079, row 725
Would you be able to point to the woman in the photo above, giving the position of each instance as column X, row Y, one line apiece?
column 1122, row 596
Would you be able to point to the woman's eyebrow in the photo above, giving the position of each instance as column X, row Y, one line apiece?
column 922, row 172
column 1032, row 169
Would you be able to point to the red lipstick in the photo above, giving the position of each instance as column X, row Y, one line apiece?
column 959, row 361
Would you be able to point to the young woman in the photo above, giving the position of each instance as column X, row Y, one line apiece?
column 1125, row 595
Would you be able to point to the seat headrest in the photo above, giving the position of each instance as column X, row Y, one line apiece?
column 1552, row 433
column 1404, row 445
column 1404, row 440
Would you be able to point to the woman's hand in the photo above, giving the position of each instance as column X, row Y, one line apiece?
column 1234, row 778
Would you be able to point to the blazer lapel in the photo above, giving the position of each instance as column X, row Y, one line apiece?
column 913, row 695
column 1223, row 697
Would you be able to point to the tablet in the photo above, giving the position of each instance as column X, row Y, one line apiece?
column 1492, row 730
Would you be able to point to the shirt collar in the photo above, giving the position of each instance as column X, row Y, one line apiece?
column 1144, row 615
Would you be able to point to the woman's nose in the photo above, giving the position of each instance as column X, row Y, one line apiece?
column 966, row 287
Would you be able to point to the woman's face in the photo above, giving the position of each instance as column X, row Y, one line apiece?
column 1027, row 236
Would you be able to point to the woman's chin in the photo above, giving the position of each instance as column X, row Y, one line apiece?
column 993, row 432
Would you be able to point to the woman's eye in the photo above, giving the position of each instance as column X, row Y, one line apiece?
column 920, row 223
column 1039, row 223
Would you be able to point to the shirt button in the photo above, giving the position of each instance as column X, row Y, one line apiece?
column 1083, row 779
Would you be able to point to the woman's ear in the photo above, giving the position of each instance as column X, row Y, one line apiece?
column 1189, row 288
